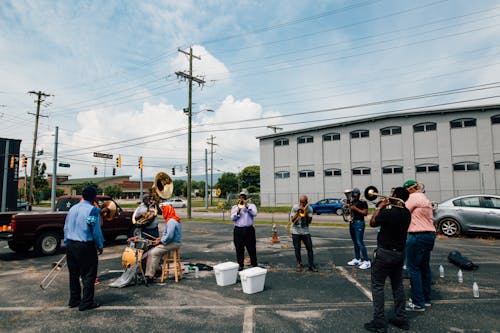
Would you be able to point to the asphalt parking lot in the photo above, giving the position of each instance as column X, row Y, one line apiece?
column 336, row 299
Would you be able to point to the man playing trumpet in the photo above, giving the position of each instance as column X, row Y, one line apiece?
column 301, row 217
column 243, row 214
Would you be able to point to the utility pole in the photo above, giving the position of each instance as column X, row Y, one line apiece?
column 54, row 174
column 40, row 98
column 275, row 128
column 212, row 144
column 206, row 179
column 190, row 79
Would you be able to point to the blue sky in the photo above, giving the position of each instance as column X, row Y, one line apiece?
column 110, row 66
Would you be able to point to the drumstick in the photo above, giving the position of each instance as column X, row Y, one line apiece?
column 150, row 236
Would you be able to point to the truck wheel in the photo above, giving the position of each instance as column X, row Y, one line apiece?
column 19, row 247
column 48, row 243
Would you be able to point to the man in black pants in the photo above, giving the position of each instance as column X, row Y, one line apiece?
column 243, row 215
column 301, row 217
column 388, row 259
column 84, row 241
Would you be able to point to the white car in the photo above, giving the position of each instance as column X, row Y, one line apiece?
column 176, row 203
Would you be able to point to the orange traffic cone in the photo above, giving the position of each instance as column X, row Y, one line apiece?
column 275, row 238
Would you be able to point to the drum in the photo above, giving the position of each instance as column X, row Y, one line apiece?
column 129, row 256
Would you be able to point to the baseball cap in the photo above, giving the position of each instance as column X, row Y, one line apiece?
column 409, row 183
column 356, row 191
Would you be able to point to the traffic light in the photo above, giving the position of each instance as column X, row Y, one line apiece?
column 114, row 171
column 140, row 163
column 24, row 161
column 95, row 171
column 173, row 171
column 12, row 162
column 187, row 169
column 119, row 161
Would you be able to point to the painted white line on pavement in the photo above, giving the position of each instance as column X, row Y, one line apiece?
column 249, row 320
column 358, row 285
column 328, row 306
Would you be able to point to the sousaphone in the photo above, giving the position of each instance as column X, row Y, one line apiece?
column 163, row 188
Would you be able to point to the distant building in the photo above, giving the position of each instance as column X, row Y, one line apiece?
column 451, row 151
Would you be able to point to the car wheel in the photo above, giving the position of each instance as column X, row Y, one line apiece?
column 19, row 247
column 339, row 211
column 450, row 227
column 48, row 243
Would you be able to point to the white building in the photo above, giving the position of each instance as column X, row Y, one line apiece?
column 451, row 151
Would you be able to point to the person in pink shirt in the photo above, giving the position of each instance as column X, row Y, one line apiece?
column 419, row 245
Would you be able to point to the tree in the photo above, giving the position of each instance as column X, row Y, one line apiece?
column 180, row 187
column 79, row 187
column 113, row 191
column 39, row 181
column 228, row 183
column 249, row 178
column 200, row 186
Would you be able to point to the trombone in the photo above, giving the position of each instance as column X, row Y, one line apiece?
column 371, row 193
column 58, row 266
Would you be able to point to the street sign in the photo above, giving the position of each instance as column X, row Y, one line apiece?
column 101, row 155
column 64, row 165
column 39, row 153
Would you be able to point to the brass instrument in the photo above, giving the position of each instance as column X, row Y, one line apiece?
column 108, row 210
column 371, row 193
column 162, row 188
column 57, row 268
column 303, row 211
column 242, row 203
column 346, row 207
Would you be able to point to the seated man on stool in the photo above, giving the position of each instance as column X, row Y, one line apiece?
column 171, row 239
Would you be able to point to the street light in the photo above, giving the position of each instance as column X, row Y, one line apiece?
column 189, row 112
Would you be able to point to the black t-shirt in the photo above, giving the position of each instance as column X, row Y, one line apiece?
column 361, row 204
column 394, row 223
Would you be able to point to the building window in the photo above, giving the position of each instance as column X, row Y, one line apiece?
column 427, row 168
column 361, row 171
column 305, row 139
column 333, row 172
column 282, row 174
column 495, row 119
column 281, row 142
column 424, row 127
column 392, row 169
column 465, row 122
column 497, row 165
column 390, row 130
column 360, row 134
column 466, row 166
column 306, row 174
column 331, row 137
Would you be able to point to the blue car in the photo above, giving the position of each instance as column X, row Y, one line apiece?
column 22, row 205
column 329, row 205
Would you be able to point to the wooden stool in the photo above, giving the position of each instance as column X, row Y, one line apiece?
column 176, row 260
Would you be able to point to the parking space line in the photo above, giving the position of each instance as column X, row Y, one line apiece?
column 249, row 320
column 358, row 285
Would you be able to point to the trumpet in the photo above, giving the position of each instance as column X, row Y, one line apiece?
column 242, row 203
column 58, row 266
column 371, row 193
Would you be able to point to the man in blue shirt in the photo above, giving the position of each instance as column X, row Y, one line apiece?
column 84, row 241
column 244, row 232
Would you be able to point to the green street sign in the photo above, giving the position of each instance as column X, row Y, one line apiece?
column 64, row 165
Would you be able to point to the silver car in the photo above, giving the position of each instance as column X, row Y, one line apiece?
column 478, row 213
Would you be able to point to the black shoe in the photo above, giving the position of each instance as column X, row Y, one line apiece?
column 400, row 323
column 90, row 307
column 73, row 305
column 374, row 327
column 313, row 268
column 299, row 267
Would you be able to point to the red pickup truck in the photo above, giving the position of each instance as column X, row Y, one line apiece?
column 45, row 231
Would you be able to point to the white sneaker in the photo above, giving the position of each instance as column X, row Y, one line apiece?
column 354, row 262
column 365, row 264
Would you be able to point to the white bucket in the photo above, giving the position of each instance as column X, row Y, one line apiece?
column 226, row 273
column 253, row 279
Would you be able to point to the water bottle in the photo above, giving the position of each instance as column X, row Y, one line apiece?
column 460, row 276
column 475, row 290
column 441, row 271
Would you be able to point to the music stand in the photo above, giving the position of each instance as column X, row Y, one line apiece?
column 139, row 272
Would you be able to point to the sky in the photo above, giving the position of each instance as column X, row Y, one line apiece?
column 108, row 70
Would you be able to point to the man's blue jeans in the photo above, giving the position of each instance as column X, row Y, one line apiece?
column 418, row 256
column 357, row 231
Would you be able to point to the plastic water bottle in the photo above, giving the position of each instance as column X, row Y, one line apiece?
column 475, row 290
column 460, row 276
column 441, row 271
